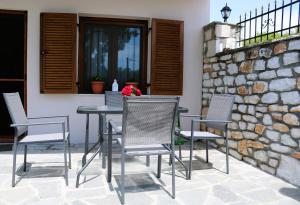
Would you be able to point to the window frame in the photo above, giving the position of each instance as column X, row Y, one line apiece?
column 143, row 24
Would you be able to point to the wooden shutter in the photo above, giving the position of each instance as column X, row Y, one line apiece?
column 58, row 53
column 167, row 57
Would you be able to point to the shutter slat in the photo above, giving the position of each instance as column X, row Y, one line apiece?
column 58, row 65
column 167, row 57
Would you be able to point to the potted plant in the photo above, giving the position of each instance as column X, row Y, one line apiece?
column 97, row 84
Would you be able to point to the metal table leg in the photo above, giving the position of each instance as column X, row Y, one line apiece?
column 109, row 153
column 86, row 147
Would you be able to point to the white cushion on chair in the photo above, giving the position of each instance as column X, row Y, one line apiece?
column 52, row 137
column 200, row 135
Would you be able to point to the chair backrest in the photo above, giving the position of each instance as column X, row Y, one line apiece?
column 113, row 99
column 148, row 120
column 220, row 108
column 16, row 111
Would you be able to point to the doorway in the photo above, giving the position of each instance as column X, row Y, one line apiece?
column 13, row 55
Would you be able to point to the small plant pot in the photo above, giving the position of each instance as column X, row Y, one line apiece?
column 134, row 84
column 97, row 87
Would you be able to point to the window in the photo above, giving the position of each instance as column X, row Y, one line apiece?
column 112, row 48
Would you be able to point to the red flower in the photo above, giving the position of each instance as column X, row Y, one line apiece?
column 129, row 90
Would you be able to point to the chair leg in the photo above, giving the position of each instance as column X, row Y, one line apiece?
column 159, row 166
column 173, row 175
column 122, row 184
column 180, row 154
column 227, row 158
column 25, row 158
column 66, row 163
column 15, row 147
column 104, row 153
column 191, row 158
column 148, row 161
column 206, row 145
column 69, row 149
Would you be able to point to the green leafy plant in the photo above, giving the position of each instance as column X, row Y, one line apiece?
column 179, row 141
column 97, row 78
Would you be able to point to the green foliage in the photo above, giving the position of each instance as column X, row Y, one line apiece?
column 179, row 141
column 270, row 37
column 97, row 78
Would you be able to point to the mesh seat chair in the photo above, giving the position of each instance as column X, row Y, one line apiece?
column 21, row 124
column 147, row 129
column 218, row 117
column 113, row 99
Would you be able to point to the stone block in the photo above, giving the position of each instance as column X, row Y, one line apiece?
column 232, row 90
column 281, row 127
column 262, row 109
column 246, row 67
column 235, row 154
column 261, row 156
column 232, row 69
column 273, row 154
column 273, row 162
column 273, row 63
column 208, row 34
column 240, row 80
column 273, row 135
column 291, row 58
column 260, row 65
column 280, row 148
column 236, row 135
column 285, row 84
column 236, row 116
column 239, row 57
column 249, row 135
column 294, row 45
column 270, row 98
column 285, row 72
column 242, row 90
column 288, row 141
column 242, row 108
column 216, row 67
column 267, row 169
column 252, row 76
column 238, row 99
column 226, row 57
column 223, row 31
column 228, row 80
column 260, row 87
column 267, row 75
column 295, row 132
column 267, row 120
column 205, row 76
column 279, row 48
column 290, row 98
column 259, row 129
column 218, row 82
column 296, row 155
column 289, row 169
column 277, row 116
column 278, row 108
column 242, row 125
column 208, row 83
column 253, row 53
column 253, row 99
column 249, row 118
column 251, row 109
column 250, row 161
column 297, row 69
column 291, row 119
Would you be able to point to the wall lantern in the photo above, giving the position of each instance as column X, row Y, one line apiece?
column 226, row 12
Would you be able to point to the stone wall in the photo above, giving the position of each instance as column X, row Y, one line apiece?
column 265, row 80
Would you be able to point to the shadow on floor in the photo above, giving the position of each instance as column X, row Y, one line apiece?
column 40, row 171
column 293, row 193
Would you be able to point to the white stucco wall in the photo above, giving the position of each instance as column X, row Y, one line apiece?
column 195, row 14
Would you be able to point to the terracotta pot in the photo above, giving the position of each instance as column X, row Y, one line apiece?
column 97, row 87
column 134, row 84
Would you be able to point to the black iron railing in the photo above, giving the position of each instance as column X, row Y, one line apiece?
column 280, row 21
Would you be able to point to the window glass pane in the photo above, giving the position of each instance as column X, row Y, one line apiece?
column 95, row 53
column 129, row 50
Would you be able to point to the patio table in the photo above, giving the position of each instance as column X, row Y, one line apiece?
column 101, row 111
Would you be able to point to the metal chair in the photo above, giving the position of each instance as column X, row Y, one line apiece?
column 147, row 129
column 218, row 117
column 21, row 124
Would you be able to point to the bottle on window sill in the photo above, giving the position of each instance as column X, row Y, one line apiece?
column 115, row 86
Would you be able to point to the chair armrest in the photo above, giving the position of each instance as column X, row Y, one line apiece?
column 57, row 116
column 115, row 126
column 36, row 124
column 220, row 121
column 186, row 115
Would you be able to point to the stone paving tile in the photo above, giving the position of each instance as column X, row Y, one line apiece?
column 245, row 185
